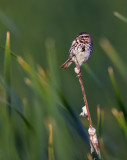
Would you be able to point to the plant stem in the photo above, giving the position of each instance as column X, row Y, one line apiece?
column 91, row 130
column 83, row 92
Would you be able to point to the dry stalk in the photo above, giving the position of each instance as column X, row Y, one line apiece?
column 83, row 92
column 92, row 130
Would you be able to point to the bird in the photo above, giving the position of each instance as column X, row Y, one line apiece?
column 81, row 49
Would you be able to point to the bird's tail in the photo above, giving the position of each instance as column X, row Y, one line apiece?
column 67, row 63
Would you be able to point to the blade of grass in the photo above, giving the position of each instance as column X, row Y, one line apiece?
column 36, row 77
column 120, row 16
column 7, row 68
column 114, row 57
column 69, row 114
column 75, row 126
column 117, row 92
column 100, row 121
column 12, row 53
column 121, row 120
column 38, row 84
column 11, row 93
column 100, row 117
column 16, row 104
column 50, row 144
column 7, row 60
column 18, row 112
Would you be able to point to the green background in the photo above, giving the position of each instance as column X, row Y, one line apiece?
column 31, row 23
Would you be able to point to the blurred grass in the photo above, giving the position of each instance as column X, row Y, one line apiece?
column 121, row 121
column 7, row 69
column 31, row 142
column 100, row 117
column 114, row 57
column 120, row 16
column 39, row 101
column 117, row 93
column 50, row 146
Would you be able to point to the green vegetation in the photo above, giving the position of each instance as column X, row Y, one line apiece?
column 40, row 103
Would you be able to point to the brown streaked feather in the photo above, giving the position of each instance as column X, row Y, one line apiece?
column 67, row 63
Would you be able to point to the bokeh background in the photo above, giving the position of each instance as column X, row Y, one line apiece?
column 35, row 24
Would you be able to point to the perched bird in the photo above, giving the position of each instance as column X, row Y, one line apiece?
column 81, row 49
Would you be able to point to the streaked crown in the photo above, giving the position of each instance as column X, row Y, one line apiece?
column 84, row 38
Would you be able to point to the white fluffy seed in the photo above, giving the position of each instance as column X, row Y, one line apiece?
column 76, row 70
column 92, row 131
column 84, row 112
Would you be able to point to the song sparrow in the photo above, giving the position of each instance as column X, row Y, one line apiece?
column 81, row 49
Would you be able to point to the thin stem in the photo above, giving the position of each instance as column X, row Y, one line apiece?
column 83, row 92
column 91, row 130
